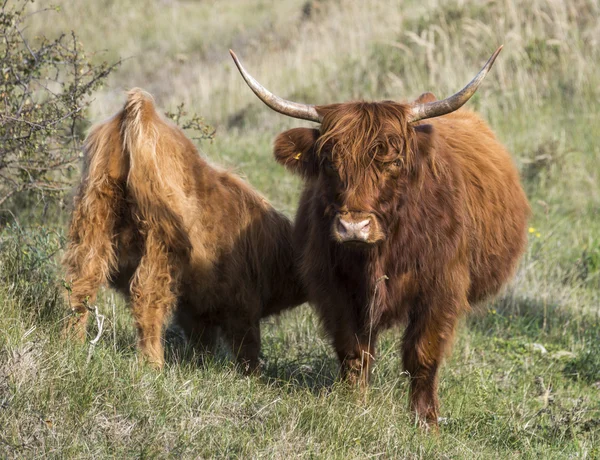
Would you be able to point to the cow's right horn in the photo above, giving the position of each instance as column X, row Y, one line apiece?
column 421, row 111
column 289, row 108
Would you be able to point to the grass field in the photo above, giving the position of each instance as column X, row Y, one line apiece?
column 524, row 376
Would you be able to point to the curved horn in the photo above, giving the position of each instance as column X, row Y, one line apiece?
column 452, row 103
column 289, row 108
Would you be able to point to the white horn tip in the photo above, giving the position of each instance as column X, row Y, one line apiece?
column 496, row 53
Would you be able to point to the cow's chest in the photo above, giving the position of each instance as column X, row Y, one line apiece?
column 370, row 285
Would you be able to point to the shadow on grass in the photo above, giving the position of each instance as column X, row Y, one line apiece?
column 316, row 373
column 178, row 351
column 533, row 320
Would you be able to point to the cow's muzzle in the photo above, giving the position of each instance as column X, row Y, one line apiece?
column 355, row 227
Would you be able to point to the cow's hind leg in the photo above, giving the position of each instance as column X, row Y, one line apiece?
column 82, row 291
column 90, row 257
column 153, row 295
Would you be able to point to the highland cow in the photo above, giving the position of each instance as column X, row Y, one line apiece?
column 171, row 232
column 400, row 221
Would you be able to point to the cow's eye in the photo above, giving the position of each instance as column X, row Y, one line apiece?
column 328, row 167
column 395, row 164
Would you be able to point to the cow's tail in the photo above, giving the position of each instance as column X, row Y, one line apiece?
column 155, row 170
column 132, row 176
column 90, row 258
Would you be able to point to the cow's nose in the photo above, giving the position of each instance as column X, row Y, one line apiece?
column 349, row 230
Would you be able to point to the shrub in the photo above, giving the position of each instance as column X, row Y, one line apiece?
column 44, row 88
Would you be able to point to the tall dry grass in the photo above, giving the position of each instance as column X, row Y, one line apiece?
column 335, row 50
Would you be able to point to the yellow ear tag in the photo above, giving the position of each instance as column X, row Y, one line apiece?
column 297, row 156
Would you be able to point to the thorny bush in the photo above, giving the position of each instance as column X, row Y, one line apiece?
column 45, row 86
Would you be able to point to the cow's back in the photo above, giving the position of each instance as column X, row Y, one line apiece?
column 241, row 253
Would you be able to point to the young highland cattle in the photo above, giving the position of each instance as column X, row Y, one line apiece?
column 400, row 222
column 171, row 232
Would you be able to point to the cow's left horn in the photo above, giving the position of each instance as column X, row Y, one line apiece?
column 455, row 102
column 289, row 108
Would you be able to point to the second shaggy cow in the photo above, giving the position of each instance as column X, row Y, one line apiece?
column 165, row 228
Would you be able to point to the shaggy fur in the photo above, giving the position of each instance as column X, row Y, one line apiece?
column 165, row 228
column 448, row 221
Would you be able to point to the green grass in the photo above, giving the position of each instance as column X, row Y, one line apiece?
column 523, row 379
column 500, row 394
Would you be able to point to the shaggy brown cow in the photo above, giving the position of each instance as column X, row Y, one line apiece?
column 401, row 222
column 164, row 227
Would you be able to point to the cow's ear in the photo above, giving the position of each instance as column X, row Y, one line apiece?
column 425, row 139
column 424, row 148
column 295, row 149
column 426, row 97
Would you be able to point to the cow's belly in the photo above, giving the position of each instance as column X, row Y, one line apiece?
column 497, row 245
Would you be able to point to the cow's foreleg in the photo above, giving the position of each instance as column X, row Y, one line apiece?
column 199, row 330
column 242, row 332
column 356, row 352
column 427, row 336
column 153, row 295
